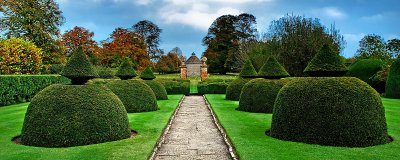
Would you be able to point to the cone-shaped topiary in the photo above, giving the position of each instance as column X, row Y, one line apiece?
column 326, row 63
column 235, row 88
column 125, row 70
column 74, row 115
column 392, row 87
column 147, row 74
column 135, row 95
column 78, row 68
column 248, row 70
column 272, row 69
column 158, row 89
column 334, row 111
column 258, row 95
column 364, row 69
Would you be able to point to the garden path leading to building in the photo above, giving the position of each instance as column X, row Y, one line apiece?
column 193, row 134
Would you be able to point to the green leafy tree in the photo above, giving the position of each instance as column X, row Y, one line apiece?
column 393, row 46
column 19, row 57
column 36, row 21
column 223, row 41
column 151, row 34
column 297, row 40
column 373, row 46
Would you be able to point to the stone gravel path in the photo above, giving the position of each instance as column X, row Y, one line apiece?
column 193, row 134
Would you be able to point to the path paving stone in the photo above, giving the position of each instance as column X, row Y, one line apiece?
column 193, row 134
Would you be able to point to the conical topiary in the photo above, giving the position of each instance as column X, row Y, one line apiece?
column 326, row 63
column 147, row 74
column 272, row 70
column 78, row 68
column 248, row 70
column 125, row 70
column 392, row 87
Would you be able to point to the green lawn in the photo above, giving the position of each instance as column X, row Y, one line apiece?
column 193, row 86
column 246, row 131
column 149, row 126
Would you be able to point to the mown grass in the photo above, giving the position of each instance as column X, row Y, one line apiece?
column 247, row 133
column 210, row 76
column 149, row 126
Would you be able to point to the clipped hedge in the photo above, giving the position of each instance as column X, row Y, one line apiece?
column 235, row 88
column 135, row 95
column 213, row 86
column 125, row 70
column 272, row 69
column 326, row 63
column 59, row 116
column 175, row 86
column 258, row 95
column 329, row 111
column 158, row 89
column 393, row 81
column 364, row 69
column 248, row 70
column 147, row 74
column 78, row 68
column 22, row 88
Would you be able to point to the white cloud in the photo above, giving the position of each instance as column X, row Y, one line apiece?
column 330, row 12
column 375, row 17
column 200, row 14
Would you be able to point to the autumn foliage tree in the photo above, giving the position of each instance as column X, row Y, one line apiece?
column 18, row 56
column 168, row 64
column 124, row 43
column 81, row 37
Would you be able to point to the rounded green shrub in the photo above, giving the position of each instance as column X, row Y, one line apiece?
column 272, row 69
column 135, row 95
column 334, row 111
column 74, row 115
column 248, row 70
column 147, row 74
column 235, row 88
column 78, row 68
column 326, row 63
column 258, row 95
column 393, row 81
column 365, row 69
column 158, row 89
column 125, row 70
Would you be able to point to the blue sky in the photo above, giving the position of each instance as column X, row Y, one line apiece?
column 185, row 22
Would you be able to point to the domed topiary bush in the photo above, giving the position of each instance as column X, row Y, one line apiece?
column 147, row 74
column 364, row 69
column 74, row 115
column 235, row 88
column 393, row 81
column 126, row 71
column 135, row 95
column 272, row 70
column 158, row 89
column 259, row 95
column 78, row 68
column 326, row 63
column 329, row 111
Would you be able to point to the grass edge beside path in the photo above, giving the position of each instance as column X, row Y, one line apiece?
column 246, row 131
column 149, row 125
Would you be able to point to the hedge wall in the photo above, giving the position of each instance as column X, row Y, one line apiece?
column 364, row 69
column 213, row 86
column 235, row 88
column 393, row 81
column 21, row 88
column 158, row 89
column 175, row 86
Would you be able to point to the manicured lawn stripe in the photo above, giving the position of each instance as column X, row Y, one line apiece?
column 246, row 131
column 149, row 126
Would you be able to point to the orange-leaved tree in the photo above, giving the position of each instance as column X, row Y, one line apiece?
column 81, row 37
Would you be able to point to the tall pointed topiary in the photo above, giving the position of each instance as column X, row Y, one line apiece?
column 78, row 68
column 392, row 87
column 147, row 74
column 272, row 70
column 326, row 63
column 125, row 70
column 248, row 70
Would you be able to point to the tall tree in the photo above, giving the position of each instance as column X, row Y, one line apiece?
column 373, row 46
column 223, row 40
column 81, row 37
column 36, row 21
column 124, row 43
column 297, row 40
column 177, row 51
column 151, row 34
column 393, row 47
column 168, row 64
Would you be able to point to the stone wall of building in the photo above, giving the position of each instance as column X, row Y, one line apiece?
column 193, row 70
